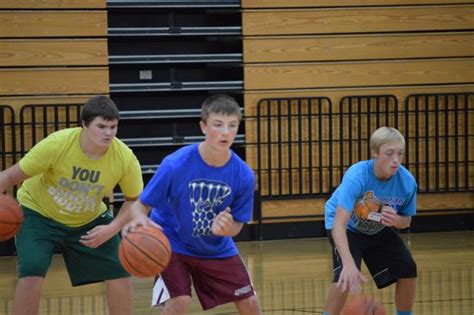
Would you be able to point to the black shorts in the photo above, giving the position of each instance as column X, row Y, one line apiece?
column 384, row 253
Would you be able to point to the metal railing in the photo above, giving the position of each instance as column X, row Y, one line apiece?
column 38, row 121
column 8, row 154
column 440, row 141
column 304, row 145
column 289, row 157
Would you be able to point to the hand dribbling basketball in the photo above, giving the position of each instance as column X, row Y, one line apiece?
column 145, row 251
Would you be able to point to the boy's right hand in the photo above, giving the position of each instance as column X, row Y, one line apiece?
column 350, row 279
column 135, row 223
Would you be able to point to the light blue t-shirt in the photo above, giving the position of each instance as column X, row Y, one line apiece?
column 359, row 183
column 186, row 194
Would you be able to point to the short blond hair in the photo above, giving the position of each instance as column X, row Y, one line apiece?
column 385, row 135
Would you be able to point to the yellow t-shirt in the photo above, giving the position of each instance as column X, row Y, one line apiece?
column 67, row 186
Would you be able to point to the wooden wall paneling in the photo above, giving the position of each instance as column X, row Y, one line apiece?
column 53, row 4
column 293, row 209
column 357, row 20
column 39, row 81
column 346, row 74
column 445, row 201
column 16, row 24
column 427, row 204
column 357, row 47
column 251, row 98
column 17, row 102
column 255, row 4
column 53, row 52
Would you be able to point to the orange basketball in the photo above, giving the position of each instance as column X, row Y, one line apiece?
column 363, row 305
column 145, row 252
column 361, row 210
column 11, row 217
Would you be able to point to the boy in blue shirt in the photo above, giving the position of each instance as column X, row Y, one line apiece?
column 374, row 198
column 201, row 196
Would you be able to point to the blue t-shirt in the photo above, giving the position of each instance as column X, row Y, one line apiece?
column 360, row 185
column 186, row 194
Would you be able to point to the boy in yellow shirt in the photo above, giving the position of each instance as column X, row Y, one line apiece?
column 65, row 178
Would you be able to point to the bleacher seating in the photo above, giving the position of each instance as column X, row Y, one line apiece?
column 164, row 48
column 165, row 58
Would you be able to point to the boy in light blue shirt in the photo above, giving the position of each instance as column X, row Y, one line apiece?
column 375, row 198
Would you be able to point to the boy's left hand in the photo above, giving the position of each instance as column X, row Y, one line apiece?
column 389, row 216
column 223, row 223
column 97, row 236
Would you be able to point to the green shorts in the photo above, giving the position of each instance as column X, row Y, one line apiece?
column 39, row 236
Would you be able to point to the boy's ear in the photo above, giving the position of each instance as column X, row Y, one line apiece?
column 374, row 153
column 202, row 124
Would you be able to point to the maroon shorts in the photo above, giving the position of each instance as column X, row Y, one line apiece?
column 216, row 281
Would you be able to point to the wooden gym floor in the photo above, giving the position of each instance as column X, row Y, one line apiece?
column 291, row 277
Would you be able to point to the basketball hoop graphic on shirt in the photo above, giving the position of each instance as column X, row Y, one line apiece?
column 205, row 195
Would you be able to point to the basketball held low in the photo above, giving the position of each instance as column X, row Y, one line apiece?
column 11, row 217
column 361, row 304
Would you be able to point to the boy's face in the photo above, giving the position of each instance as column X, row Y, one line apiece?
column 101, row 132
column 388, row 159
column 220, row 130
